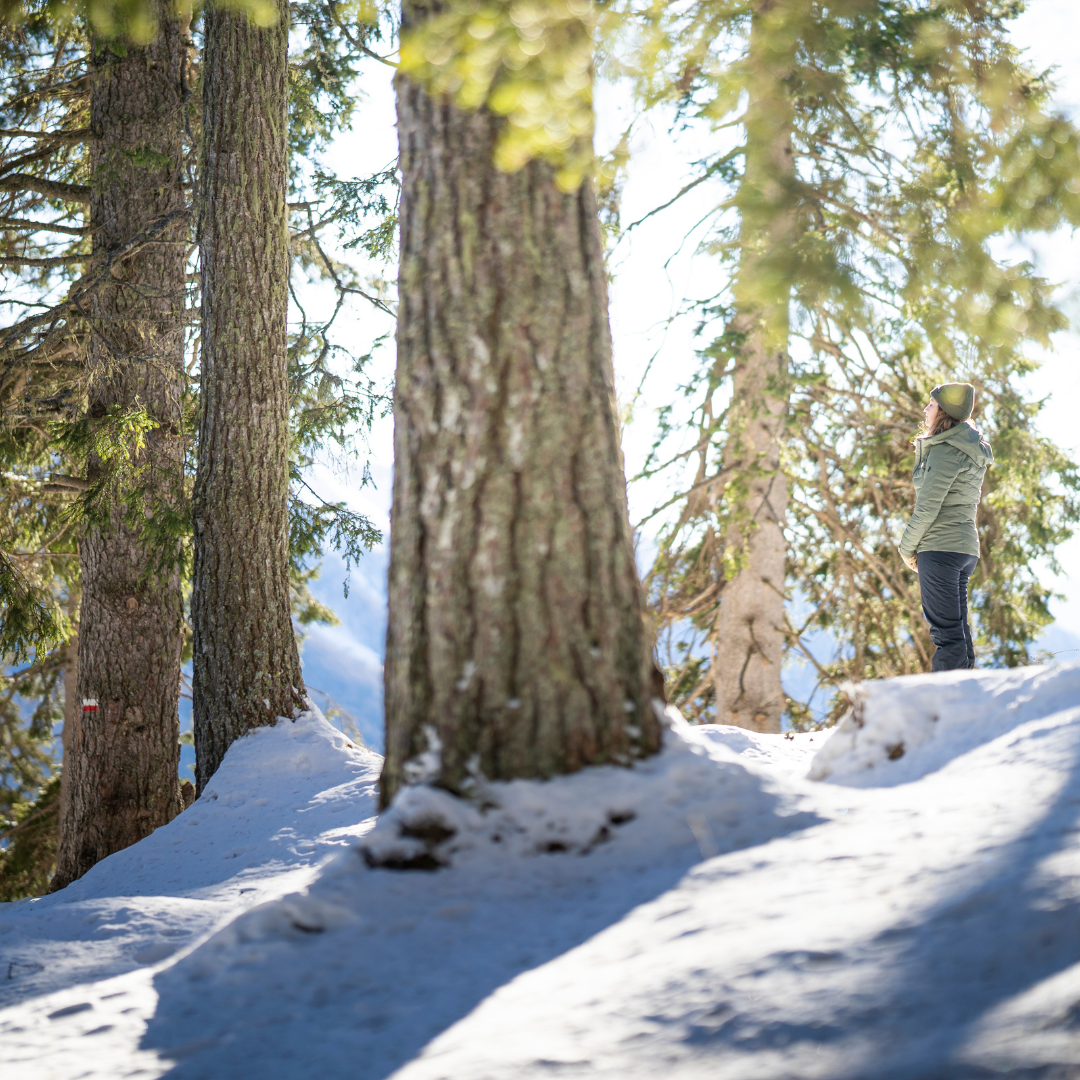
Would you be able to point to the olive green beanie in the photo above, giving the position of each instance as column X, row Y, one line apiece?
column 956, row 398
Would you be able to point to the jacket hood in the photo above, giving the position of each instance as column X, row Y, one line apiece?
column 966, row 438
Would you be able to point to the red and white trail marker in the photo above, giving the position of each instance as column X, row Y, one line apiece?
column 89, row 704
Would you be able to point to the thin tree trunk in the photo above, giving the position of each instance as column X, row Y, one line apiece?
column 750, row 626
column 246, row 664
column 516, row 638
column 120, row 768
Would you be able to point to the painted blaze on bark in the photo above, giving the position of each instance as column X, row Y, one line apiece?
column 751, row 621
column 120, row 759
column 246, row 667
column 515, row 631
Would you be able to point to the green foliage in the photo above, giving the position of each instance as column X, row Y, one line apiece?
column 609, row 177
column 331, row 406
column 853, row 492
column 1023, row 519
column 112, row 443
column 305, row 606
column 332, row 400
column 65, row 465
column 530, row 61
column 312, row 528
column 26, row 616
column 26, row 742
column 73, row 466
column 921, row 141
column 133, row 21
column 38, row 557
column 329, row 41
column 29, row 837
column 352, row 205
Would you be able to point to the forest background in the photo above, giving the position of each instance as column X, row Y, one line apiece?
column 658, row 273
column 655, row 268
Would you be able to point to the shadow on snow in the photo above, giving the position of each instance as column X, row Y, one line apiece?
column 364, row 999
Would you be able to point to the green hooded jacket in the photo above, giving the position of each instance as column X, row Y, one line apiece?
column 948, row 478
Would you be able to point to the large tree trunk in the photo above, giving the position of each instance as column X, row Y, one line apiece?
column 751, row 623
column 516, row 639
column 246, row 664
column 120, row 767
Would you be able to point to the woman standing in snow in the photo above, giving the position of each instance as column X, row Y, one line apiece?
column 941, row 543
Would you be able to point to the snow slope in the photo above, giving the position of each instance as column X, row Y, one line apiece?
column 284, row 798
column 712, row 912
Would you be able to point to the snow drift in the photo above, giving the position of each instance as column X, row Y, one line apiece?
column 899, row 730
column 711, row 911
column 284, row 798
column 697, row 790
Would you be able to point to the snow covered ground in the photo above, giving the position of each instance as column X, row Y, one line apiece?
column 901, row 899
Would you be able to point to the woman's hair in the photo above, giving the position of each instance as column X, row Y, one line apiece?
column 943, row 422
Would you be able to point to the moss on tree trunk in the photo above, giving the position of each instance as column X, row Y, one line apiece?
column 515, row 634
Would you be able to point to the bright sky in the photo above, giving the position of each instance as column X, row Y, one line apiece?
column 653, row 271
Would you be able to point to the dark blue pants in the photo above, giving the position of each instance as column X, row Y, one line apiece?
column 943, row 580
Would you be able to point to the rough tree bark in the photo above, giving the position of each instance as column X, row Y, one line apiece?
column 246, row 664
column 72, row 704
column 751, row 623
column 120, row 765
column 516, row 635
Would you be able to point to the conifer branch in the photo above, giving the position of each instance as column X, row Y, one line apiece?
column 80, row 135
column 59, row 482
column 687, row 188
column 40, row 154
column 86, row 285
column 341, row 287
column 44, row 226
column 51, row 189
column 44, row 263
column 77, row 82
